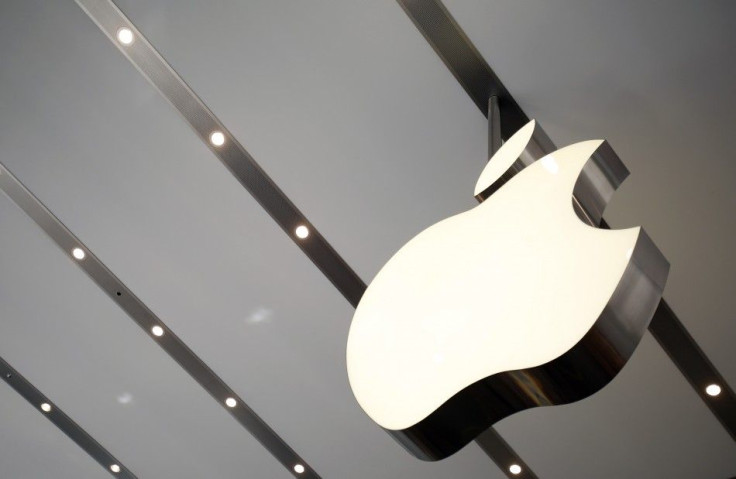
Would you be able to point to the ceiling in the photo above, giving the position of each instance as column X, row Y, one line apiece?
column 359, row 122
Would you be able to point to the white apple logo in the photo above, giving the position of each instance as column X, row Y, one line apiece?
column 513, row 304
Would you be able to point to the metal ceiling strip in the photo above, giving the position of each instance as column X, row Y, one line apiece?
column 147, row 319
column 232, row 154
column 503, row 455
column 694, row 364
column 465, row 62
column 454, row 47
column 67, row 425
column 494, row 127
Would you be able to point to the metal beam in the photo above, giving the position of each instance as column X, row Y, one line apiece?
column 66, row 424
column 503, row 455
column 465, row 62
column 694, row 365
column 231, row 153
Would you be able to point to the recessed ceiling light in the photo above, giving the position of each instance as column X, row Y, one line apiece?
column 157, row 331
column 115, row 468
column 125, row 36
column 78, row 253
column 515, row 469
column 298, row 468
column 302, row 231
column 217, row 138
column 231, row 402
column 713, row 390
column 46, row 407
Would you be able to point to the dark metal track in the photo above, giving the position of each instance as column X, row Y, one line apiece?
column 147, row 319
column 464, row 61
column 475, row 75
column 503, row 455
column 232, row 154
column 67, row 425
column 694, row 365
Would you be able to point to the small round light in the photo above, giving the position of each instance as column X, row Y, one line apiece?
column 298, row 468
column 157, row 331
column 713, row 390
column 125, row 36
column 115, row 468
column 78, row 253
column 217, row 138
column 302, row 231
column 231, row 402
column 515, row 469
column 46, row 407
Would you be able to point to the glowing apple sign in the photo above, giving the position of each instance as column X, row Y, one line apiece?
column 514, row 304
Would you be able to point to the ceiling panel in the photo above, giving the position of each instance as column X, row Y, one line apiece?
column 349, row 110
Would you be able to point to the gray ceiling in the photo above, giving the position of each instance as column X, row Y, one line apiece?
column 355, row 117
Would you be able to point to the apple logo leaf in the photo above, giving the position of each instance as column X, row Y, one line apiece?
column 504, row 160
column 514, row 304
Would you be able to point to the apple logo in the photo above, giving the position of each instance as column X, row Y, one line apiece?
column 516, row 303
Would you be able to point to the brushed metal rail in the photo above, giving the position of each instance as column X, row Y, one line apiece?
column 147, row 319
column 464, row 61
column 494, row 126
column 74, row 431
column 232, row 154
column 503, row 455
column 453, row 46
column 682, row 349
